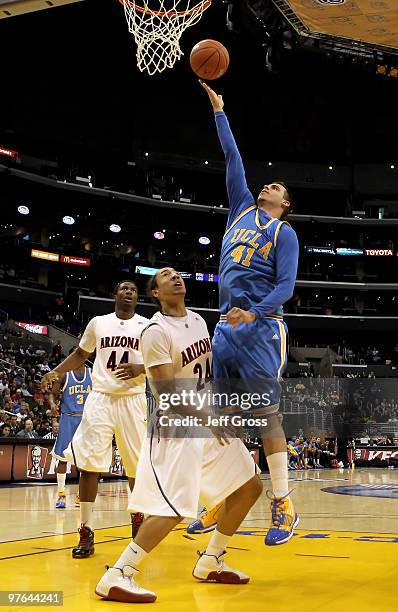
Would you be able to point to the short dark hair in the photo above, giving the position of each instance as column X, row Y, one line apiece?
column 116, row 289
column 286, row 196
column 151, row 285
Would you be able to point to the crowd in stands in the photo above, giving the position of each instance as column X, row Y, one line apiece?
column 370, row 355
column 378, row 440
column 7, row 330
column 353, row 400
column 58, row 313
column 25, row 411
column 315, row 393
column 369, row 401
column 8, row 274
column 351, row 352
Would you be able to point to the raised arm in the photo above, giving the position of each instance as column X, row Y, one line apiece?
column 239, row 194
column 75, row 360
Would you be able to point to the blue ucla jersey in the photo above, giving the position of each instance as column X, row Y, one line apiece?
column 259, row 253
column 74, row 392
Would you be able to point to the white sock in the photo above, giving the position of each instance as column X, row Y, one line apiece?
column 277, row 463
column 131, row 556
column 86, row 513
column 61, row 479
column 218, row 543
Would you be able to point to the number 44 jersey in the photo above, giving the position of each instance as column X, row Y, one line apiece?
column 116, row 341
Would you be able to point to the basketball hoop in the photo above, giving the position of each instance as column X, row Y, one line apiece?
column 157, row 27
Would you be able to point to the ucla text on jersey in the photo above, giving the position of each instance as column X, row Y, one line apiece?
column 74, row 391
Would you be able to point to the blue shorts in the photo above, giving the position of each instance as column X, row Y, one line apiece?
column 67, row 427
column 251, row 358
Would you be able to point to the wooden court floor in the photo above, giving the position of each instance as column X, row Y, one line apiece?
column 344, row 555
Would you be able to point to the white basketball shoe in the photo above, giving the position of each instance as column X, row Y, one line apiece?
column 119, row 585
column 210, row 568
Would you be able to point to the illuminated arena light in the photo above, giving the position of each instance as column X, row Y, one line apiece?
column 68, row 220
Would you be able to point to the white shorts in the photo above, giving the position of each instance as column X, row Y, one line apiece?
column 173, row 473
column 104, row 416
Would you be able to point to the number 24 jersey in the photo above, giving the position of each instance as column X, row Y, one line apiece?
column 183, row 342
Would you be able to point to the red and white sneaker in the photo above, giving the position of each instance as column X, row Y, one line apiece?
column 119, row 585
column 210, row 568
column 85, row 547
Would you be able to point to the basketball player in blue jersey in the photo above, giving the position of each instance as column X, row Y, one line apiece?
column 74, row 387
column 258, row 267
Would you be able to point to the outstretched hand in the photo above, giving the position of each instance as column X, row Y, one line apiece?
column 216, row 100
column 236, row 316
column 49, row 379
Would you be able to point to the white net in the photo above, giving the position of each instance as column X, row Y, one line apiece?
column 157, row 27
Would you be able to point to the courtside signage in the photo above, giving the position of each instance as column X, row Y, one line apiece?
column 199, row 276
column 379, row 252
column 327, row 250
column 320, row 250
column 66, row 259
column 77, row 261
column 34, row 328
column 45, row 255
column 8, row 152
column 348, row 251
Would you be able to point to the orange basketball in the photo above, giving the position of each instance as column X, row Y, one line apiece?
column 209, row 59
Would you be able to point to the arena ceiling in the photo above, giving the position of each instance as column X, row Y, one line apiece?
column 372, row 22
column 11, row 8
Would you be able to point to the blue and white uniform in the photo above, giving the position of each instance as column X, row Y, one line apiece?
column 258, row 267
column 75, row 390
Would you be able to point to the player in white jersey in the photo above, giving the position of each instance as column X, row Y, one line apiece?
column 173, row 470
column 116, row 405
